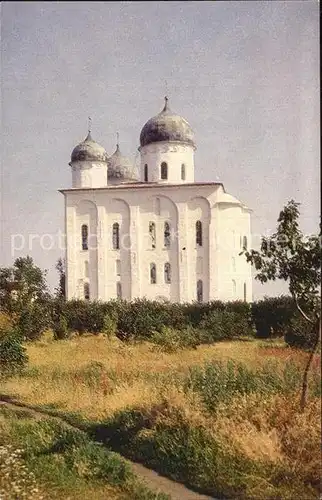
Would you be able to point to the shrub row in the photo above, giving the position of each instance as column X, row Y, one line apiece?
column 143, row 319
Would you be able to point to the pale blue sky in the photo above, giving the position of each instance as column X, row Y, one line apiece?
column 244, row 74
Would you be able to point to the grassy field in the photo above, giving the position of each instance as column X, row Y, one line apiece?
column 222, row 418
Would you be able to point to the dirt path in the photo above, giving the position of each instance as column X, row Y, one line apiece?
column 151, row 478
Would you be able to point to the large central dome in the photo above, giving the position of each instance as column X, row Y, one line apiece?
column 167, row 126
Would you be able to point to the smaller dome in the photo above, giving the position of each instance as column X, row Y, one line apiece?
column 120, row 168
column 89, row 150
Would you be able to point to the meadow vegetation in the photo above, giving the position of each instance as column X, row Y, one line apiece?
column 41, row 459
column 223, row 418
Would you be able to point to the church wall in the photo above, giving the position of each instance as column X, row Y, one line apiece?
column 116, row 264
column 159, row 210
column 86, row 265
column 198, row 210
column 133, row 209
column 233, row 270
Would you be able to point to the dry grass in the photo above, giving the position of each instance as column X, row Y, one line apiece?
column 265, row 429
column 133, row 373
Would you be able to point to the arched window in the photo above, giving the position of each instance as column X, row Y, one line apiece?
column 116, row 236
column 84, row 237
column 167, row 272
column 86, row 291
column 199, row 233
column 244, row 243
column 118, row 267
column 167, row 235
column 199, row 291
column 153, row 273
column 119, row 290
column 86, row 269
column 152, row 233
column 183, row 172
column 146, row 174
column 245, row 292
column 234, row 287
column 164, row 170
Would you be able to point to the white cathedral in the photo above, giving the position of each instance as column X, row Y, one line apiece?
column 156, row 233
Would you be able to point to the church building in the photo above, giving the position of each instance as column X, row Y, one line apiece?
column 153, row 233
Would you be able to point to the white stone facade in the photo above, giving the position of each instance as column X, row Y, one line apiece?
column 163, row 237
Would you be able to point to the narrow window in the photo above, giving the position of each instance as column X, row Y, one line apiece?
column 119, row 290
column 86, row 269
column 152, row 233
column 234, row 288
column 199, row 291
column 164, row 170
column 245, row 293
column 167, row 272
column 153, row 273
column 244, row 243
column 84, row 237
column 86, row 291
column 199, row 233
column 183, row 172
column 118, row 268
column 167, row 235
column 116, row 236
column 146, row 175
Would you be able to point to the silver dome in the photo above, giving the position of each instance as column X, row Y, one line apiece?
column 89, row 150
column 167, row 126
column 120, row 168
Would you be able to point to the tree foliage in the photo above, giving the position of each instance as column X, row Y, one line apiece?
column 61, row 269
column 290, row 256
column 22, row 284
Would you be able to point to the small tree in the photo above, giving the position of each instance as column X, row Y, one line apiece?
column 22, row 284
column 290, row 256
column 61, row 289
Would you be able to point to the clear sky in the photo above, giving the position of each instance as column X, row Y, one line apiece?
column 245, row 74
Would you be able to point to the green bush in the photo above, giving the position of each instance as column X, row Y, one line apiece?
column 13, row 357
column 33, row 321
column 60, row 329
column 300, row 333
column 143, row 319
column 195, row 312
column 226, row 325
column 272, row 316
column 109, row 326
